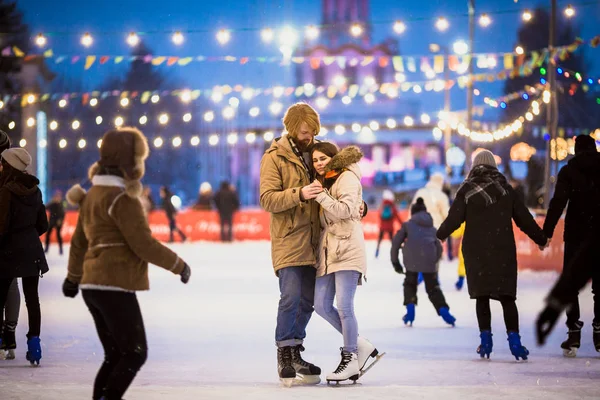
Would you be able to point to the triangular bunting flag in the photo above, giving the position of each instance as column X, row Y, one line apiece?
column 398, row 63
column 367, row 60
column 18, row 52
column 341, row 61
column 89, row 61
column 158, row 60
column 315, row 62
column 75, row 59
column 48, row 53
column 411, row 64
column 145, row 97
column 438, row 64
column 328, row 60
column 508, row 61
column 384, row 61
column 244, row 60
column 172, row 60
column 104, row 59
column 185, row 61
column 118, row 59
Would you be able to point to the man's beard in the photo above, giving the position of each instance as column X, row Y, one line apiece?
column 303, row 145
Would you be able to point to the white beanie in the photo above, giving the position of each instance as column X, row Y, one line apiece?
column 485, row 157
column 17, row 158
column 388, row 195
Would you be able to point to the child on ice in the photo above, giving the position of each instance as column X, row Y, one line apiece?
column 421, row 252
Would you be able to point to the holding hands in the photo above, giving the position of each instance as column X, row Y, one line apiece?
column 544, row 247
column 311, row 191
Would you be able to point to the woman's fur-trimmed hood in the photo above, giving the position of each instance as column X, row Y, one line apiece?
column 346, row 157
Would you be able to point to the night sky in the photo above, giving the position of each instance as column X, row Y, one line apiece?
column 109, row 21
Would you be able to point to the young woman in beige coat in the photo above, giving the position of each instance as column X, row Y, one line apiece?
column 342, row 260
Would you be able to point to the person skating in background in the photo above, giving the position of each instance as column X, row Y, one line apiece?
column 205, row 197
column 227, row 203
column 388, row 214
column 56, row 208
column 110, row 252
column 436, row 201
column 286, row 192
column 488, row 205
column 462, row 273
column 22, row 221
column 342, row 257
column 147, row 200
column 578, row 185
column 13, row 300
column 170, row 212
column 421, row 254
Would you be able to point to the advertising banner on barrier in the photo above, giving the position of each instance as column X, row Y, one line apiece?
column 254, row 225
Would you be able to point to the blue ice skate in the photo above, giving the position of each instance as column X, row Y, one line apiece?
column 409, row 318
column 446, row 316
column 420, row 278
column 485, row 348
column 516, row 348
column 460, row 283
column 34, row 350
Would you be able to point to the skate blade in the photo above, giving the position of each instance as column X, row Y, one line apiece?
column 10, row 355
column 570, row 353
column 287, row 382
column 344, row 382
column 371, row 364
column 301, row 380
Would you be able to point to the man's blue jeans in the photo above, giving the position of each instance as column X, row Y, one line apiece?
column 297, row 292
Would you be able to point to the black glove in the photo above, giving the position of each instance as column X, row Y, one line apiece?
column 70, row 289
column 398, row 268
column 545, row 323
column 186, row 273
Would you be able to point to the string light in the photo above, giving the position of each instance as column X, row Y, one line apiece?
column 178, row 38
column 195, row 141
column 22, row 142
column 11, row 125
column 30, row 99
column 485, row 20
column 442, row 24
column 53, row 125
column 186, row 96
column 275, row 108
column 312, row 32
column 213, row 139
column 133, row 39
column 75, row 125
column 176, row 141
column 391, row 123
column 62, row 143
column 425, row 119
column 369, row 98
column 321, row 102
column 527, row 16
column 99, row 143
column 254, row 112
column 81, row 144
column 143, row 119
column 30, row 122
column 408, row 121
column 417, row 89
column 187, row 117
column 399, row 27
column 216, row 97
column 339, row 129
column 94, row 102
column 163, row 119
column 267, row 35
column 569, row 11
column 268, row 136
column 124, row 102
column 87, row 40
column 356, row 127
column 519, row 50
column 278, row 91
column 339, row 80
column 247, row 94
column 98, row 120
column 369, row 81
column 62, row 103
column 437, row 134
column 223, row 36
column 1, row 104
column 374, row 125
column 43, row 143
column 40, row 40
column 356, row 30
column 346, row 100
column 251, row 137
column 119, row 121
column 158, row 142
column 228, row 112
column 209, row 116
column 155, row 98
column 232, row 138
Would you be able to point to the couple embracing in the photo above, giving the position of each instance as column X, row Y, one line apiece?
column 313, row 192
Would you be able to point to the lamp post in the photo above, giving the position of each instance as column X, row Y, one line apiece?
column 552, row 110
column 470, row 82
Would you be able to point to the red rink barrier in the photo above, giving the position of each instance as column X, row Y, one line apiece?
column 254, row 225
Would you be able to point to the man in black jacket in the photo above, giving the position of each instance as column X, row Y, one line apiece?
column 578, row 185
column 227, row 202
column 57, row 217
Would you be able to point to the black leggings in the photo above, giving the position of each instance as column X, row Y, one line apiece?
column 120, row 328
column 484, row 314
column 32, row 300
column 432, row 287
column 58, row 228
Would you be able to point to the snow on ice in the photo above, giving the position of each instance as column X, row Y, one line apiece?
column 213, row 339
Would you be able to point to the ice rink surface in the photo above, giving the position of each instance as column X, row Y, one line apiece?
column 214, row 339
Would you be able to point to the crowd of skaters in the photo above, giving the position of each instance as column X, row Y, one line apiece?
column 312, row 190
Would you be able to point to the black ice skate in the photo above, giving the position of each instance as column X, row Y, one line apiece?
column 306, row 373
column 596, row 327
column 285, row 369
column 8, row 342
column 573, row 342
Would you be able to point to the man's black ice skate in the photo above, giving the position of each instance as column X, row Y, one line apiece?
column 596, row 327
column 285, row 369
column 307, row 373
column 573, row 342
column 8, row 343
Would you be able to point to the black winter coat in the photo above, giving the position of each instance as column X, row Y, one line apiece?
column 579, row 185
column 489, row 242
column 22, row 221
column 227, row 202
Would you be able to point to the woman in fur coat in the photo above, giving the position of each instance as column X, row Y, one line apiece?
column 110, row 251
column 342, row 261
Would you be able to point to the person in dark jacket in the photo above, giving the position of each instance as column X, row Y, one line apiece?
column 421, row 252
column 13, row 300
column 227, row 203
column 170, row 211
column 22, row 221
column 205, row 197
column 388, row 213
column 488, row 205
column 578, row 185
column 57, row 217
